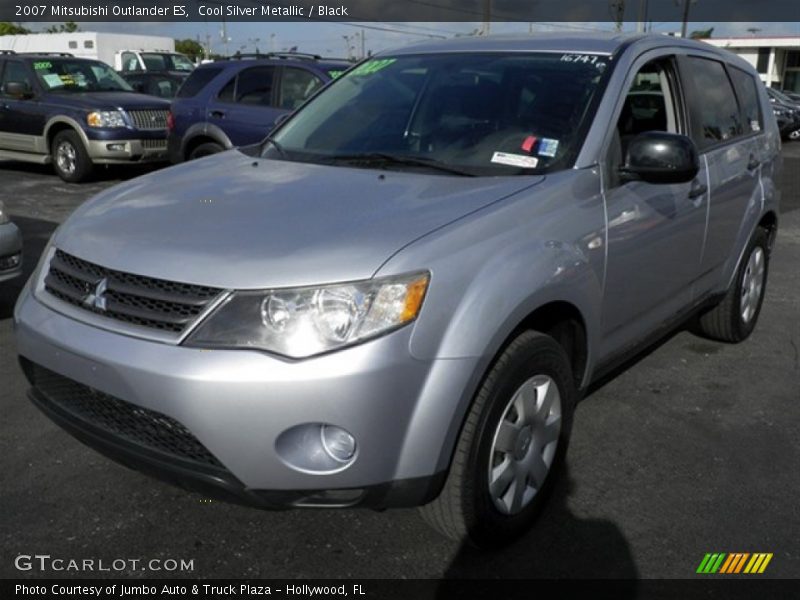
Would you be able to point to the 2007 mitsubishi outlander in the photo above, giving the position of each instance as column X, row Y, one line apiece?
column 399, row 296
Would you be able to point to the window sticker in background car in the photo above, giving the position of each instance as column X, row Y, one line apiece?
column 43, row 65
column 335, row 74
column 598, row 60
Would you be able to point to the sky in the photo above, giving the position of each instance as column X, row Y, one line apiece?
column 341, row 39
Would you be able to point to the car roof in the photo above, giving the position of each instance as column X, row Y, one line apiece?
column 575, row 42
column 283, row 59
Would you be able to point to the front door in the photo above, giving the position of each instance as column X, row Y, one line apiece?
column 655, row 231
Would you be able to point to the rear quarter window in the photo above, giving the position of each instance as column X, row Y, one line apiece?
column 197, row 81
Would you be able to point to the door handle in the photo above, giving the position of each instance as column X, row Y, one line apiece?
column 697, row 189
column 219, row 114
column 753, row 163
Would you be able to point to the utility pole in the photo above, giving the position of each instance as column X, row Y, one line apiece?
column 641, row 24
column 487, row 18
column 685, row 20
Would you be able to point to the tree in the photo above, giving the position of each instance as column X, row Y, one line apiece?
column 7, row 28
column 191, row 48
column 701, row 34
column 68, row 27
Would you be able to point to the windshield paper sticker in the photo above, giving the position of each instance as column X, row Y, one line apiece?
column 52, row 80
column 42, row 66
column 515, row 160
column 548, row 147
column 372, row 66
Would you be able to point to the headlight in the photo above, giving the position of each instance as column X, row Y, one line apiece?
column 3, row 215
column 306, row 321
column 105, row 118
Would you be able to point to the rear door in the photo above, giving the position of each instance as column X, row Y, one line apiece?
column 727, row 127
column 246, row 109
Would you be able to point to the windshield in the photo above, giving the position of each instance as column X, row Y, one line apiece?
column 483, row 114
column 65, row 75
column 156, row 61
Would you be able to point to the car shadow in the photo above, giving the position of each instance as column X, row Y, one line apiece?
column 35, row 234
column 561, row 545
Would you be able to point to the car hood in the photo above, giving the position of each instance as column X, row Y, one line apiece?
column 235, row 221
column 110, row 101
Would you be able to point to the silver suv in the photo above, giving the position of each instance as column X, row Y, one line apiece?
column 398, row 298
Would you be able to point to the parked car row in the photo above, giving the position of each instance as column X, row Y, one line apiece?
column 78, row 113
column 787, row 113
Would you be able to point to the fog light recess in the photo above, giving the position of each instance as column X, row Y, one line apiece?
column 317, row 448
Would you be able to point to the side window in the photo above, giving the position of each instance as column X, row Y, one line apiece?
column 15, row 72
column 130, row 62
column 713, row 109
column 296, row 86
column 651, row 104
column 747, row 92
column 226, row 95
column 198, row 80
column 254, row 86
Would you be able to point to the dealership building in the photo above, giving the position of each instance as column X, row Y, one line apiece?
column 777, row 59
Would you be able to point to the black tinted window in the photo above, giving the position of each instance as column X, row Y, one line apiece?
column 197, row 81
column 747, row 92
column 15, row 72
column 714, row 112
column 255, row 86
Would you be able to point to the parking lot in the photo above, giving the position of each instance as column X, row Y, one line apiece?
column 692, row 450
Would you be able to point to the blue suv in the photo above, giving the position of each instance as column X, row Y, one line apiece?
column 236, row 102
column 75, row 113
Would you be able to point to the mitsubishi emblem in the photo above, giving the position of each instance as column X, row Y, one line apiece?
column 96, row 299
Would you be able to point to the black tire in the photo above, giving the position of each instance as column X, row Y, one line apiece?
column 70, row 158
column 726, row 322
column 206, row 149
column 466, row 508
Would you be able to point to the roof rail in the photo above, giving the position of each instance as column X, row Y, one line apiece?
column 282, row 55
column 47, row 53
column 7, row 52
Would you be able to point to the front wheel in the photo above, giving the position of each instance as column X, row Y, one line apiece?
column 69, row 156
column 511, row 446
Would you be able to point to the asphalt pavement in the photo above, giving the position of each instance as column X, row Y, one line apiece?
column 693, row 449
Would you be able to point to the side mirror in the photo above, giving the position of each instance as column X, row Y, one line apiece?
column 659, row 157
column 18, row 90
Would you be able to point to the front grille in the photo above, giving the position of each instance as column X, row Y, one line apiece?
column 158, row 304
column 154, row 144
column 149, row 119
column 141, row 426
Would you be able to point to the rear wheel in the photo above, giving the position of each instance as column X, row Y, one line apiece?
column 735, row 317
column 206, row 149
column 69, row 156
column 511, row 446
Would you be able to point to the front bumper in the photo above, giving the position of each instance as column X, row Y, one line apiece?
column 236, row 404
column 10, row 251
column 127, row 151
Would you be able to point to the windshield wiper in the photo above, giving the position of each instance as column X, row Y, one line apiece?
column 382, row 158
